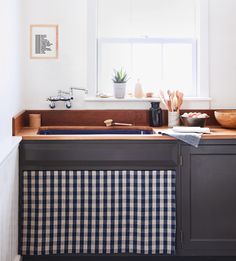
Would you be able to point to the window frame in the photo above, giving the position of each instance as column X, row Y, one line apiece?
column 200, row 47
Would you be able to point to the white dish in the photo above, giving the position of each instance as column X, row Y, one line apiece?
column 191, row 129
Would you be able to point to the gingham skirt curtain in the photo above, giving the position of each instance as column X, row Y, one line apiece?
column 98, row 212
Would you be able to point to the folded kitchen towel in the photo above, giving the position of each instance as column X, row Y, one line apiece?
column 190, row 138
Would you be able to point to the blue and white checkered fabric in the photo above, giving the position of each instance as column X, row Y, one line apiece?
column 98, row 212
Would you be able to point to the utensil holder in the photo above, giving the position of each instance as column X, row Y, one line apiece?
column 173, row 119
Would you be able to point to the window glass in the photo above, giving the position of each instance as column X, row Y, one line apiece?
column 153, row 40
column 155, row 18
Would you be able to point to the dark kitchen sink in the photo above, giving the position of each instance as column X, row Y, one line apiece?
column 95, row 132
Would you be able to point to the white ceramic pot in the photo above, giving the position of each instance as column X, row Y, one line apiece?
column 119, row 90
column 173, row 119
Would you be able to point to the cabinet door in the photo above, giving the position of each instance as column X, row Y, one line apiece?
column 209, row 200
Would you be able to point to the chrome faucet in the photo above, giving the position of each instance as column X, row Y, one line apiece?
column 66, row 97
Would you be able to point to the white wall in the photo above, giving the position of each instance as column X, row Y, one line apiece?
column 10, row 64
column 43, row 78
column 9, row 207
column 11, row 103
column 222, row 46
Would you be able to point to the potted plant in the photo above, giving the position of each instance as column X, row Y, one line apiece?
column 119, row 79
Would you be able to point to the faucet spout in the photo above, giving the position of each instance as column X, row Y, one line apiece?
column 78, row 89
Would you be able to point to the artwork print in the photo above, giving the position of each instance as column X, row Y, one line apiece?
column 44, row 41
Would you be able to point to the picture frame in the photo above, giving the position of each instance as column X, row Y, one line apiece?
column 44, row 41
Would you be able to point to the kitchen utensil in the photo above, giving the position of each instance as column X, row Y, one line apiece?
column 226, row 118
column 197, row 122
column 179, row 96
column 173, row 119
column 162, row 97
column 171, row 96
column 174, row 100
column 185, row 129
column 110, row 123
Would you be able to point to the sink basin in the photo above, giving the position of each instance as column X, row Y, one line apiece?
column 94, row 132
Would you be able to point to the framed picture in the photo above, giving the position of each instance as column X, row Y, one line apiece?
column 44, row 41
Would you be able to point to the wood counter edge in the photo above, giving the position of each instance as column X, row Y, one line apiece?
column 217, row 133
column 18, row 123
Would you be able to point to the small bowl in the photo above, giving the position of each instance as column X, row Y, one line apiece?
column 194, row 122
column 226, row 118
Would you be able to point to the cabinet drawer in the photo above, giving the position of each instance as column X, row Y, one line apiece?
column 98, row 153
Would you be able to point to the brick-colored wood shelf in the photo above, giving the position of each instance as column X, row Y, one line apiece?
column 94, row 119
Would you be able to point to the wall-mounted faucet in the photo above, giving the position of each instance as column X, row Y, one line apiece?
column 65, row 97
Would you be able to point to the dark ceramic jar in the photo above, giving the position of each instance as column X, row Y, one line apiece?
column 155, row 114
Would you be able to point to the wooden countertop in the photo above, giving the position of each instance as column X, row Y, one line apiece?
column 217, row 133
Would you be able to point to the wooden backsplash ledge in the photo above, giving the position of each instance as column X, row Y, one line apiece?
column 92, row 117
column 81, row 117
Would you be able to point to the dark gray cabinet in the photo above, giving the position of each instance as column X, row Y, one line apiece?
column 42, row 161
column 208, row 215
column 205, row 184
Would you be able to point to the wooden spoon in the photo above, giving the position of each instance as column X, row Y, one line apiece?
column 171, row 96
column 180, row 96
column 175, row 101
column 162, row 97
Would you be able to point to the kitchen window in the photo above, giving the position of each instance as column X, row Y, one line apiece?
column 161, row 42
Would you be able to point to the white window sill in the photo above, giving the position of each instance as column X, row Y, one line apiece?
column 112, row 99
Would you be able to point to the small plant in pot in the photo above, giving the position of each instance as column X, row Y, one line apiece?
column 119, row 79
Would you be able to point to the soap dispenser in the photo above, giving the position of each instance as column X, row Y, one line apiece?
column 138, row 91
column 155, row 114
